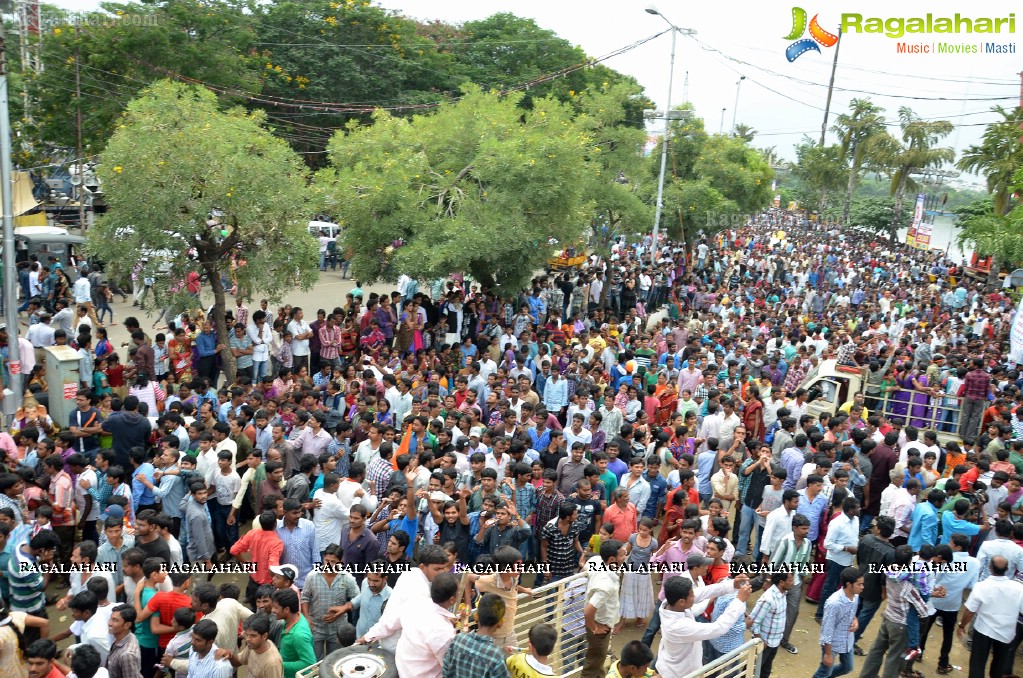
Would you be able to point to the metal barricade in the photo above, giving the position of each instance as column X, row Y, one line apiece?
column 742, row 662
column 559, row 604
column 942, row 414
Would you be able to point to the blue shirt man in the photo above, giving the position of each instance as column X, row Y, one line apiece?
column 925, row 521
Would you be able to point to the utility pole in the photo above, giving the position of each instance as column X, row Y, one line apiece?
column 7, row 205
column 735, row 109
column 78, row 133
column 675, row 30
column 831, row 87
column 721, row 125
column 685, row 89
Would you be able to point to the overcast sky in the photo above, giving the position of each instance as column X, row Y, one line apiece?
column 782, row 100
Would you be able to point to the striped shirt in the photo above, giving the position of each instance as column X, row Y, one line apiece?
column 379, row 476
column 125, row 658
column 208, row 666
column 28, row 592
column 473, row 655
column 768, row 616
column 787, row 553
column 902, row 594
column 839, row 613
column 321, row 596
column 561, row 554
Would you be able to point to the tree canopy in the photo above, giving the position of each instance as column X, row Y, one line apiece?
column 192, row 189
column 479, row 187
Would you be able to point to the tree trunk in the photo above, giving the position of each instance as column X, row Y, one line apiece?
column 850, row 185
column 219, row 321
column 900, row 196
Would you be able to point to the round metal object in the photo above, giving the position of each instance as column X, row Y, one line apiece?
column 359, row 662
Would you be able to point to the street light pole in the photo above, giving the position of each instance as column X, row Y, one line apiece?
column 735, row 109
column 721, row 125
column 675, row 30
column 10, row 276
column 664, row 154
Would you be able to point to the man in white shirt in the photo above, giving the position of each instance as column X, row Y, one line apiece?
column 578, row 432
column 993, row 606
column 841, row 544
column 681, row 649
column 332, row 515
column 369, row 449
column 778, row 524
column 301, row 333
column 411, row 589
column 602, row 614
column 89, row 626
column 1001, row 545
column 261, row 335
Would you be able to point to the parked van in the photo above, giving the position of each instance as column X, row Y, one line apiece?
column 47, row 241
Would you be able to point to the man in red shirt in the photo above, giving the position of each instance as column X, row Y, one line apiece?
column 39, row 657
column 163, row 604
column 264, row 548
column 975, row 390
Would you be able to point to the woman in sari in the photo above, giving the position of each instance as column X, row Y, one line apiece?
column 816, row 587
column 668, row 399
column 900, row 400
column 179, row 352
column 753, row 415
column 406, row 328
column 921, row 411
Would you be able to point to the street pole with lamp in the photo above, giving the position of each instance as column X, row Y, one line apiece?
column 675, row 30
column 10, row 276
column 735, row 109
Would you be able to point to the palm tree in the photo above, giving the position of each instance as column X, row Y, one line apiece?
column 998, row 157
column 771, row 156
column 820, row 171
column 859, row 130
column 745, row 132
column 917, row 150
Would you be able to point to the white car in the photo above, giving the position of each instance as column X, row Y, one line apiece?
column 332, row 229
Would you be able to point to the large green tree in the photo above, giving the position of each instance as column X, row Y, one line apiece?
column 916, row 149
column 479, row 186
column 348, row 52
column 876, row 214
column 859, row 130
column 998, row 157
column 821, row 173
column 176, row 160
column 125, row 47
column 616, row 187
column 713, row 180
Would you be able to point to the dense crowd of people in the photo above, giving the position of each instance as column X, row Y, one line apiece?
column 636, row 430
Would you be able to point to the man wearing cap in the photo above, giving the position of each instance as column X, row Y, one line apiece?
column 283, row 577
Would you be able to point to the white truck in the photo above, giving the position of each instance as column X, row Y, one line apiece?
column 831, row 385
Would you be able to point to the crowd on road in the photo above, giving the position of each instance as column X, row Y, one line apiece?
column 637, row 429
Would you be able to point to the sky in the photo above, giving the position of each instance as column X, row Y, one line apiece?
column 783, row 101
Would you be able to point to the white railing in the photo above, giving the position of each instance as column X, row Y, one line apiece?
column 559, row 604
column 742, row 662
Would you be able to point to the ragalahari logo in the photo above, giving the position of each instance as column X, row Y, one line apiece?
column 817, row 36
